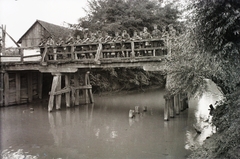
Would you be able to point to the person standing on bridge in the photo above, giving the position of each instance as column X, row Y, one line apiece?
column 50, row 42
column 146, row 36
column 156, row 33
column 125, row 37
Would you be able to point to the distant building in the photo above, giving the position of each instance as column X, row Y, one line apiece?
column 42, row 30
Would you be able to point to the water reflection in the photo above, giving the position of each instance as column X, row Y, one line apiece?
column 102, row 130
column 202, row 118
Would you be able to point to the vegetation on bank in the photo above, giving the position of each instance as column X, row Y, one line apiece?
column 117, row 79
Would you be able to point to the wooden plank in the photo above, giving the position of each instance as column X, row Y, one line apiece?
column 61, row 91
column 6, row 89
column 18, row 87
column 83, row 87
column 53, row 89
column 59, row 97
column 30, row 87
column 40, row 84
column 67, row 85
column 76, row 84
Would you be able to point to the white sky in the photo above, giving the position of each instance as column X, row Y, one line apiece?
column 19, row 15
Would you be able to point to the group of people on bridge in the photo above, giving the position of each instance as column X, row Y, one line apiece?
column 104, row 37
column 143, row 39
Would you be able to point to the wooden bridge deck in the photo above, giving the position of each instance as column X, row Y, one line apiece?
column 69, row 58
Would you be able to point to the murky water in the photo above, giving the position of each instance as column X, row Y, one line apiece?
column 102, row 130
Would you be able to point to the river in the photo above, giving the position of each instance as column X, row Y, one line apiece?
column 103, row 130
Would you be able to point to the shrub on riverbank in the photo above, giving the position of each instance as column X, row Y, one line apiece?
column 225, row 143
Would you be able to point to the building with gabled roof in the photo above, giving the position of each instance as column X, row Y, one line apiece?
column 42, row 30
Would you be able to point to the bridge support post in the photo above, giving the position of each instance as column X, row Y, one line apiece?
column 18, row 87
column 176, row 104
column 67, row 94
column 86, row 82
column 171, row 106
column 166, row 108
column 40, row 82
column 181, row 102
column 30, row 88
column 6, row 89
column 76, row 84
column 55, row 86
column 59, row 96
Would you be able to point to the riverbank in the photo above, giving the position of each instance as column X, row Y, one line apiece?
column 225, row 143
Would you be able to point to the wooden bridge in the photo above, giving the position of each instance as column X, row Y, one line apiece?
column 22, row 68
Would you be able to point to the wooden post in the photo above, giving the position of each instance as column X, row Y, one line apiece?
column 181, row 102
column 18, row 87
column 72, row 52
column 154, row 52
column 44, row 56
column 59, row 96
column 86, row 90
column 30, row 87
column 76, row 84
column 132, row 47
column 3, row 37
column 1, row 88
column 90, row 89
column 40, row 83
column 53, row 89
column 176, row 104
column 21, row 54
column 166, row 108
column 67, row 85
column 171, row 106
column 6, row 89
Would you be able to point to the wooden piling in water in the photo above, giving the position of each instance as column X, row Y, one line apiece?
column 53, row 89
column 67, row 94
column 86, row 90
column 166, row 108
column 171, row 106
column 176, row 104
column 18, row 87
column 30, row 88
column 59, row 96
column 40, row 84
column 76, row 100
column 6, row 88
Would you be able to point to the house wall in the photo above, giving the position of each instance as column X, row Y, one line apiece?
column 34, row 35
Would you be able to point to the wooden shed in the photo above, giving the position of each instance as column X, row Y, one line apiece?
column 41, row 29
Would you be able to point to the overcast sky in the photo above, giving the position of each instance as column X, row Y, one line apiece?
column 19, row 15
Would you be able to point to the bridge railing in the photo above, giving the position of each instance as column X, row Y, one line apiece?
column 20, row 54
column 103, row 51
column 90, row 52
